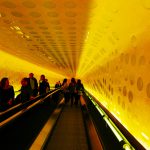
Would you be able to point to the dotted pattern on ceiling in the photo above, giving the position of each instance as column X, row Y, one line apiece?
column 53, row 31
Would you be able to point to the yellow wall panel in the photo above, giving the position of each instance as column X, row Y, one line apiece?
column 123, row 86
column 115, row 64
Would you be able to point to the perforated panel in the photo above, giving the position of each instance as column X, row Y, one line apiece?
column 51, row 32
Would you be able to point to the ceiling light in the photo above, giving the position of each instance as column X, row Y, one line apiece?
column 145, row 136
column 19, row 32
column 17, row 28
column 27, row 36
column 12, row 28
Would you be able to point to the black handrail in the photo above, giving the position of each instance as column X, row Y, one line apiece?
column 21, row 104
column 106, row 114
column 25, row 109
column 94, row 140
column 41, row 140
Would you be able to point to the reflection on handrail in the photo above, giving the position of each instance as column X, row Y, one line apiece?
column 20, row 104
column 10, row 109
column 113, row 129
column 121, row 138
column 16, row 106
column 45, row 132
column 21, row 112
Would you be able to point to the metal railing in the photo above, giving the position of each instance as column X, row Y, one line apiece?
column 25, row 109
column 93, row 138
column 126, row 144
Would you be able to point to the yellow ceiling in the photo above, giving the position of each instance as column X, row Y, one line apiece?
column 47, row 33
column 70, row 37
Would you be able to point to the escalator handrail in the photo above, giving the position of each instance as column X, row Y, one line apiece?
column 41, row 140
column 107, row 115
column 24, row 110
column 16, row 106
column 10, row 109
column 21, row 104
column 94, row 138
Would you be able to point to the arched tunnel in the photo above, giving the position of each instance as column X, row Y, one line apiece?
column 105, row 43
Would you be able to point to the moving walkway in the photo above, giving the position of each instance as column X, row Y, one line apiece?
column 48, row 123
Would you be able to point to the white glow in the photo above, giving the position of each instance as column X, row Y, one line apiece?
column 116, row 117
column 101, row 112
column 145, row 136
column 113, row 129
column 87, row 36
column 27, row 36
column 19, row 32
column 118, row 112
column 126, row 147
column 12, row 28
column 17, row 28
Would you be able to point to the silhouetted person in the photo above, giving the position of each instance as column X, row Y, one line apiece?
column 72, row 90
column 57, row 85
column 26, row 91
column 33, row 84
column 79, row 89
column 43, row 85
column 48, row 86
column 65, row 88
column 6, row 94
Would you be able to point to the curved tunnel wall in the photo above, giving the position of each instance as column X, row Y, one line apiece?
column 123, row 87
column 118, row 67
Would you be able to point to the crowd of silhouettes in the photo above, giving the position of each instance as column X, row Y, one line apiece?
column 28, row 91
column 72, row 91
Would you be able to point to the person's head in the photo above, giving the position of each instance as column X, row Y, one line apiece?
column 42, row 77
column 64, row 81
column 78, row 81
column 4, row 82
column 31, row 75
column 73, row 80
column 24, row 82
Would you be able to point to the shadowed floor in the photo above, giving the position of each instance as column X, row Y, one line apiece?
column 69, row 132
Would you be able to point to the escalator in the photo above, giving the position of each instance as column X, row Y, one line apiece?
column 86, row 128
column 19, row 133
column 79, row 127
column 69, row 132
